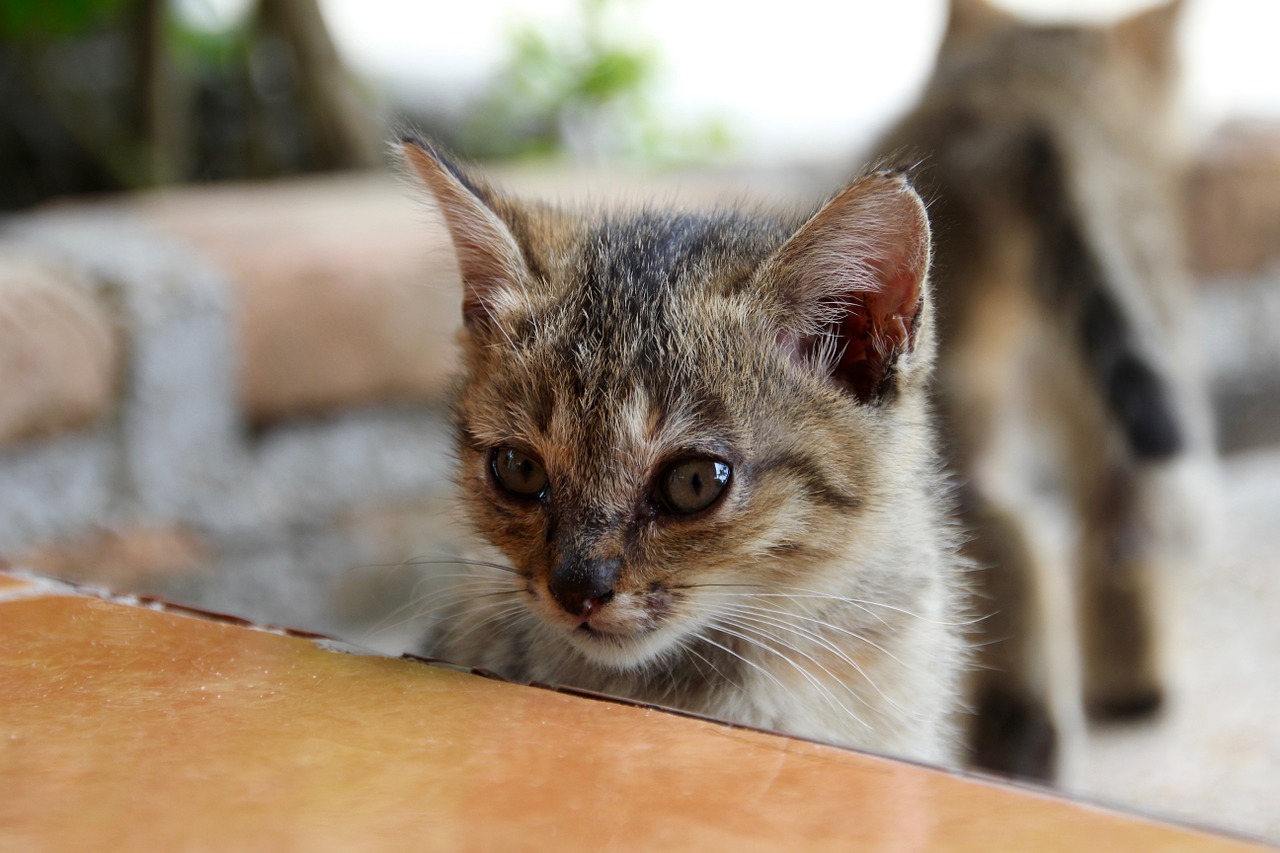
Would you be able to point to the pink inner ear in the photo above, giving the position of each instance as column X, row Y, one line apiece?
column 855, row 272
column 877, row 332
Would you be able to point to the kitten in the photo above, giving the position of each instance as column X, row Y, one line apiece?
column 1048, row 163
column 700, row 442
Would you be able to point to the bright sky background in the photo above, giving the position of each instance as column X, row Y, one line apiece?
column 795, row 79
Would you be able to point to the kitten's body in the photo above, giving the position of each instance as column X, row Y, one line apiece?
column 819, row 593
column 1049, row 159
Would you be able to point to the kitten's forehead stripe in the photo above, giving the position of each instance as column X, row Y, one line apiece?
column 631, row 266
column 650, row 252
column 635, row 362
column 636, row 282
column 635, row 419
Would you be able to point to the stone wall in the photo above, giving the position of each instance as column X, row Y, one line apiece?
column 223, row 380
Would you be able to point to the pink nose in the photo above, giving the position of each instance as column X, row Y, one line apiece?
column 580, row 600
column 583, row 586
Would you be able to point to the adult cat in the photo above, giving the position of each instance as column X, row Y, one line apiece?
column 1048, row 155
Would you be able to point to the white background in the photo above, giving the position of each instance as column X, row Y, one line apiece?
column 794, row 79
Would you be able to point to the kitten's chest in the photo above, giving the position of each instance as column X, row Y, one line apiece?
column 811, row 686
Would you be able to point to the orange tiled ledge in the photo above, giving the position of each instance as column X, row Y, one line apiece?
column 134, row 727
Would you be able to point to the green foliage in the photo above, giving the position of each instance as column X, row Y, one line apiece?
column 581, row 87
column 200, row 51
column 35, row 20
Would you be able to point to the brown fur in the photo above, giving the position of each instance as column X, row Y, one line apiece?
column 820, row 595
column 1049, row 156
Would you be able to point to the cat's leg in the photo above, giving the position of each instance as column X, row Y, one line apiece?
column 1140, row 521
column 980, row 406
column 1129, row 530
column 1119, row 560
column 1012, row 730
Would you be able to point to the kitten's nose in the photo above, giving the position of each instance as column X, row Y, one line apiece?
column 582, row 586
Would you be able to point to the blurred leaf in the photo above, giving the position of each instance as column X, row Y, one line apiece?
column 612, row 75
column 195, row 48
column 27, row 20
column 584, row 86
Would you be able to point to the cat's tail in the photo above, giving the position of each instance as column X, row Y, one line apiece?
column 1073, row 280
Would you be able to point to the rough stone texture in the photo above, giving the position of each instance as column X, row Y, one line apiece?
column 356, row 575
column 60, row 353
column 180, row 428
column 56, row 488
column 1234, row 202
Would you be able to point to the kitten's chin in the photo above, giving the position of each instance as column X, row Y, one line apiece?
column 623, row 651
column 630, row 632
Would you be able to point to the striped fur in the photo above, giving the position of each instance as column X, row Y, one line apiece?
column 821, row 594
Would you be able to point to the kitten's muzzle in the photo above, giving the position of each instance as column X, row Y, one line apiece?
column 583, row 585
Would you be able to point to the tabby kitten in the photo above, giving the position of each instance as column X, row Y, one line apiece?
column 1049, row 163
column 700, row 443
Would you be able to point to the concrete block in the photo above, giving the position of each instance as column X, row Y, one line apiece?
column 183, row 452
column 57, row 487
column 181, row 429
column 344, row 294
column 60, row 353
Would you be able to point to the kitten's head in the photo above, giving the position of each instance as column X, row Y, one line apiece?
column 658, row 409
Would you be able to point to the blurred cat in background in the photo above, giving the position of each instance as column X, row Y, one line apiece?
column 1049, row 158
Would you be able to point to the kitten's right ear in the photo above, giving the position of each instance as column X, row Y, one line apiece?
column 489, row 258
column 851, row 287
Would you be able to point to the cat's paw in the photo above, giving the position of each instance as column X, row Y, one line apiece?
column 1013, row 735
column 1137, row 702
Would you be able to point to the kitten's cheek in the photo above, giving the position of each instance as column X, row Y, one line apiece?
column 660, row 603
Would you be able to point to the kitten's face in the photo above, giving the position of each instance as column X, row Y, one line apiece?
column 659, row 431
column 654, row 415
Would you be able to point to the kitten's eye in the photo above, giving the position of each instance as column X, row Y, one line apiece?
column 691, row 485
column 518, row 472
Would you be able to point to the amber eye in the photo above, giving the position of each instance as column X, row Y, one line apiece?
column 691, row 485
column 518, row 472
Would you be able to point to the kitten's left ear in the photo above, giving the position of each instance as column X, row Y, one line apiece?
column 489, row 258
column 852, row 285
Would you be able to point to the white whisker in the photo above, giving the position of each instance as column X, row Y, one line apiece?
column 441, row 600
column 813, row 680
column 831, row 627
column 512, row 609
column 760, row 616
column 860, row 603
